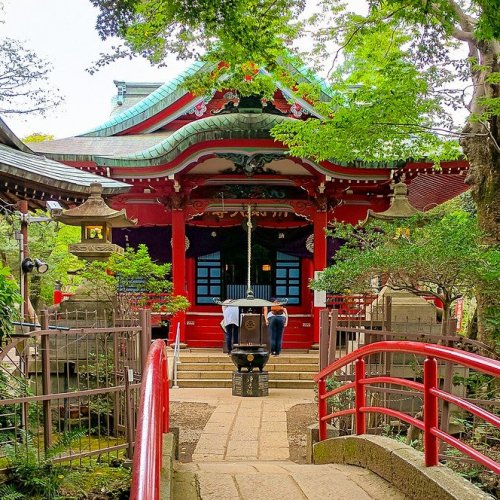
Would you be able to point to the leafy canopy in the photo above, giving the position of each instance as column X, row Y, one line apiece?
column 234, row 31
column 132, row 271
column 438, row 254
column 9, row 300
column 381, row 109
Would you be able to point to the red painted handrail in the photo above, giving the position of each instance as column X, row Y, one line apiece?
column 430, row 389
column 152, row 422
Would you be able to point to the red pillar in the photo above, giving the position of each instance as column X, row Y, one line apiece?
column 179, row 268
column 319, row 262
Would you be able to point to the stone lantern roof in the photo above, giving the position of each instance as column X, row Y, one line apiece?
column 95, row 210
column 400, row 207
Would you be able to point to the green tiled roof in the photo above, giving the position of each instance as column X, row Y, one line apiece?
column 155, row 102
column 230, row 126
column 173, row 90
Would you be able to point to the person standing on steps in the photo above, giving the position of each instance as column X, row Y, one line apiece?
column 276, row 320
column 231, row 323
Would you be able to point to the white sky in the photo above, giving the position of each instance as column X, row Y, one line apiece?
column 63, row 33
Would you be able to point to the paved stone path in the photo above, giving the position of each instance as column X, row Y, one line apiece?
column 243, row 454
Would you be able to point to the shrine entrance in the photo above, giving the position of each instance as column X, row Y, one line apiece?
column 234, row 272
column 221, row 263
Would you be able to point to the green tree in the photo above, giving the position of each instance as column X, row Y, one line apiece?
column 437, row 254
column 235, row 31
column 9, row 299
column 24, row 82
column 38, row 137
column 48, row 242
column 117, row 279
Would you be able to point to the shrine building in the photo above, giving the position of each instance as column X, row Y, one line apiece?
column 195, row 164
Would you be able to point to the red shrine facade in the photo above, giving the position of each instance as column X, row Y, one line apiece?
column 196, row 163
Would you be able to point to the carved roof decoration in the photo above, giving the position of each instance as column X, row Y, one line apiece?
column 174, row 90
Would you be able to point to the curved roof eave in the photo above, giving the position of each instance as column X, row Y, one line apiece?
column 41, row 170
column 230, row 126
column 152, row 104
column 8, row 138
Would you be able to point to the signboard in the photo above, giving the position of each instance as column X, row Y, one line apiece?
column 319, row 295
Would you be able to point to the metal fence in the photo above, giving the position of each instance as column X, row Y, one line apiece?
column 70, row 379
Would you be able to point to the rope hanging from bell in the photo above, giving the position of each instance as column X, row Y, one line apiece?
column 249, row 252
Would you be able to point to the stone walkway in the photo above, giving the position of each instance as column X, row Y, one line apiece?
column 243, row 454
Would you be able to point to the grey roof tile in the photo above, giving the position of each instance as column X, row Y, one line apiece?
column 42, row 170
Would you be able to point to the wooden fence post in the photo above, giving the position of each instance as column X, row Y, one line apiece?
column 46, row 385
column 145, row 336
column 323, row 338
column 332, row 347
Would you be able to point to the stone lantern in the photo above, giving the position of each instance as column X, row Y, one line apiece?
column 400, row 208
column 96, row 220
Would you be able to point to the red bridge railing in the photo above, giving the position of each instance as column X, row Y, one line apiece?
column 153, row 422
column 430, row 389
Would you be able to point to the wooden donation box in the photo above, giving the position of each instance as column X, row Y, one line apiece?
column 253, row 329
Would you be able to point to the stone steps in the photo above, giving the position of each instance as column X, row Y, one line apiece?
column 221, row 383
column 186, row 375
column 211, row 368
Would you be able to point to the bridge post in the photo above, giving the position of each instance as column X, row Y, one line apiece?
column 431, row 443
column 360, row 401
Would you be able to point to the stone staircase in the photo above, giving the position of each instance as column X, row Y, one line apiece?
column 212, row 368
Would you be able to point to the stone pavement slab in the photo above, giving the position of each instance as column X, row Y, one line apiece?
column 243, row 454
column 286, row 480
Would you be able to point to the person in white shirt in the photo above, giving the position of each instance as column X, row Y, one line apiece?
column 231, row 323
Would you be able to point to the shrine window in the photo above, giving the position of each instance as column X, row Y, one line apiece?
column 288, row 278
column 208, row 278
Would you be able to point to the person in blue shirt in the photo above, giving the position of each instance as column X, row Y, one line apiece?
column 276, row 319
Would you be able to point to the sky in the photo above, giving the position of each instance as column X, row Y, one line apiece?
column 63, row 33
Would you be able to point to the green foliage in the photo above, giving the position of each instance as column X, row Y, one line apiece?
column 9, row 492
column 33, row 474
column 134, row 270
column 38, row 137
column 234, row 31
column 437, row 254
column 382, row 107
column 96, row 481
column 9, row 299
column 478, row 385
column 48, row 242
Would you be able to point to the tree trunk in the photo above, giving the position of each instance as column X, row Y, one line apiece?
column 484, row 179
column 446, row 317
column 481, row 144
